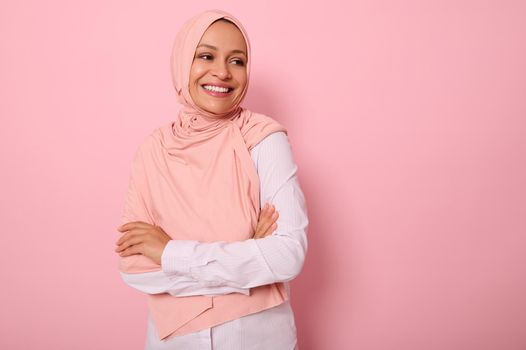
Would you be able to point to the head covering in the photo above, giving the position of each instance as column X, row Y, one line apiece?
column 182, row 57
column 195, row 178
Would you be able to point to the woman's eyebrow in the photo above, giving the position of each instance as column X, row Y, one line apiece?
column 215, row 48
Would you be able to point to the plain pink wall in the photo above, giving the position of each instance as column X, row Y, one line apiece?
column 407, row 121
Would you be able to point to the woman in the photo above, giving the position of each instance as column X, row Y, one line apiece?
column 215, row 267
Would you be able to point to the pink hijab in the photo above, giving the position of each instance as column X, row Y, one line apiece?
column 195, row 178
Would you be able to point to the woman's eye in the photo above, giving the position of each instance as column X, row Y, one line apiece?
column 208, row 57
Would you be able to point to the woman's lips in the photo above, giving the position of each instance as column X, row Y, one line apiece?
column 217, row 93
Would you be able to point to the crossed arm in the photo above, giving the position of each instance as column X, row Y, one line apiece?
column 190, row 267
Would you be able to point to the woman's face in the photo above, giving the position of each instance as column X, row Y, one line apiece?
column 219, row 62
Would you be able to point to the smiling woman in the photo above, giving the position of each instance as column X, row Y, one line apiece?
column 218, row 76
column 201, row 233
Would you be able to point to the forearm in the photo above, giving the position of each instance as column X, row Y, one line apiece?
column 144, row 275
column 157, row 282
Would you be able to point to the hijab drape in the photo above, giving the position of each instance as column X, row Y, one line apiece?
column 195, row 178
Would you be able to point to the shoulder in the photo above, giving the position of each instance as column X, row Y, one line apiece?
column 150, row 143
column 275, row 139
column 274, row 150
column 255, row 127
column 157, row 137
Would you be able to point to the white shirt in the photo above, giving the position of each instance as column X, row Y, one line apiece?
column 194, row 268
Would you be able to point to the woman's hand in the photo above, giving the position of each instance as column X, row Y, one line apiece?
column 266, row 222
column 142, row 238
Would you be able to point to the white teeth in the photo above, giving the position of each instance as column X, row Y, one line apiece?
column 215, row 88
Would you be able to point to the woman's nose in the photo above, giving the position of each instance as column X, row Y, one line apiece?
column 221, row 71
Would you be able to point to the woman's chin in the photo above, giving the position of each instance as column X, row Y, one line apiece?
column 217, row 109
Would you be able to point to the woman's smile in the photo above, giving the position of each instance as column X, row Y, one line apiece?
column 217, row 90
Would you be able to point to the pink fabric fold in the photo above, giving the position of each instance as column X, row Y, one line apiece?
column 194, row 177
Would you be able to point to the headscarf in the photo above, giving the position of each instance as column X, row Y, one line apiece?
column 182, row 57
column 195, row 178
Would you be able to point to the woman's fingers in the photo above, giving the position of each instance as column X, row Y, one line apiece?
column 271, row 229
column 273, row 226
column 133, row 225
column 267, row 217
column 264, row 220
column 134, row 249
column 137, row 230
column 130, row 241
column 134, row 236
column 125, row 237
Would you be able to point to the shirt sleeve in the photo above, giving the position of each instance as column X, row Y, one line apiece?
column 157, row 282
column 278, row 257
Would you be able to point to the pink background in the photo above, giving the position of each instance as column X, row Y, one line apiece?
column 407, row 120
